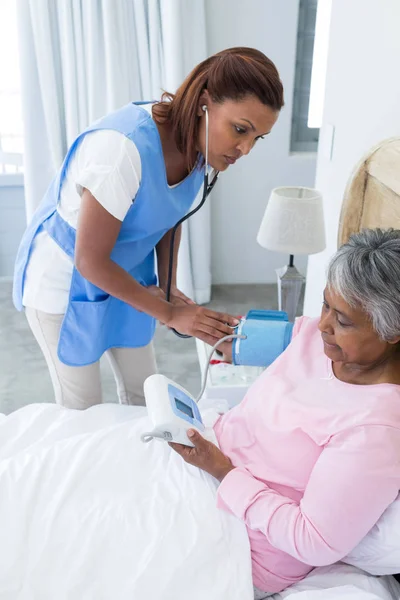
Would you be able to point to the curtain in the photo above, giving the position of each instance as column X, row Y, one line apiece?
column 83, row 58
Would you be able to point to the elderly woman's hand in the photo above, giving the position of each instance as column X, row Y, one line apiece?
column 204, row 455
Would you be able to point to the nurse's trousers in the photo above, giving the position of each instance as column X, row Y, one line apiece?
column 80, row 387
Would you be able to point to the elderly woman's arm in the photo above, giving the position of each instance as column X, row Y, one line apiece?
column 355, row 479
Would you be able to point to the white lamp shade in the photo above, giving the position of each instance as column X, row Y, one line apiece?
column 293, row 221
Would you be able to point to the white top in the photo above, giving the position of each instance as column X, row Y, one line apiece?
column 108, row 164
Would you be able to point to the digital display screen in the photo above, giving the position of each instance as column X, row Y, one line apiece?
column 184, row 408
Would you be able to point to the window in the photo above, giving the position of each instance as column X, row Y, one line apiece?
column 319, row 64
column 11, row 140
column 304, row 138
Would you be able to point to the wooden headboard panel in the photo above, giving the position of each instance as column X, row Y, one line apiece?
column 372, row 196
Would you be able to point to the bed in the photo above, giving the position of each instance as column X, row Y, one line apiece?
column 82, row 517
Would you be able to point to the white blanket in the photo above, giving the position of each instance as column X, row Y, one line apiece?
column 87, row 511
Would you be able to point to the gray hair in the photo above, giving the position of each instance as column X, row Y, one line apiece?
column 366, row 272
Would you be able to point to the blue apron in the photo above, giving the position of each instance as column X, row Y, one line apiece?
column 95, row 321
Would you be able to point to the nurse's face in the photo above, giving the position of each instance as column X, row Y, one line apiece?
column 234, row 127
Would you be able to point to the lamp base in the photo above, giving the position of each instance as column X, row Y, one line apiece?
column 290, row 283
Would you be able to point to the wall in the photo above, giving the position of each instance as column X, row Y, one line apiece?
column 12, row 224
column 362, row 101
column 239, row 200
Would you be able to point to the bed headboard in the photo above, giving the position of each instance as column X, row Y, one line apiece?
column 372, row 196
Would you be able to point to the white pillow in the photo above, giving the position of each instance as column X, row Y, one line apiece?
column 379, row 552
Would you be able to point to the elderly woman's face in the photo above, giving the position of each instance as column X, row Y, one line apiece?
column 347, row 333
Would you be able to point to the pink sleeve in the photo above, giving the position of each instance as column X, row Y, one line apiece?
column 354, row 480
column 298, row 323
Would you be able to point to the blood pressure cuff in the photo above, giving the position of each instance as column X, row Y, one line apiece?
column 268, row 333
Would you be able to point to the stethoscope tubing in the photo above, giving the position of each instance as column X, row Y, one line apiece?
column 207, row 189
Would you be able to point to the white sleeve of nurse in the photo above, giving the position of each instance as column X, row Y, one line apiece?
column 354, row 480
column 109, row 166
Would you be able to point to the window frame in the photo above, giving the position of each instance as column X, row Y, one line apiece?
column 302, row 80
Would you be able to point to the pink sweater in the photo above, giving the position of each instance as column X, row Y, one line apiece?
column 317, row 461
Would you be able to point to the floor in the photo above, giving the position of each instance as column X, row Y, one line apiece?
column 23, row 373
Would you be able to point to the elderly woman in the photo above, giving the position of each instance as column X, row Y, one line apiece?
column 311, row 458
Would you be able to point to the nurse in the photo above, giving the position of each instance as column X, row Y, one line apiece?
column 86, row 267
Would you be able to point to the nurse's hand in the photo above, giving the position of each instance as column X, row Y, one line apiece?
column 156, row 291
column 207, row 325
column 226, row 350
column 176, row 296
column 179, row 298
column 205, row 455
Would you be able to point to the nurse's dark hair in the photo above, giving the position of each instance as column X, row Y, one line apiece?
column 231, row 74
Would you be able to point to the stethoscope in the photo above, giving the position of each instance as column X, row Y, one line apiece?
column 207, row 189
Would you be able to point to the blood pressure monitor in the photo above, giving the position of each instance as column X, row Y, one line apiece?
column 171, row 409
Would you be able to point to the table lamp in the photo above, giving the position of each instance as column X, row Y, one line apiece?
column 293, row 223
